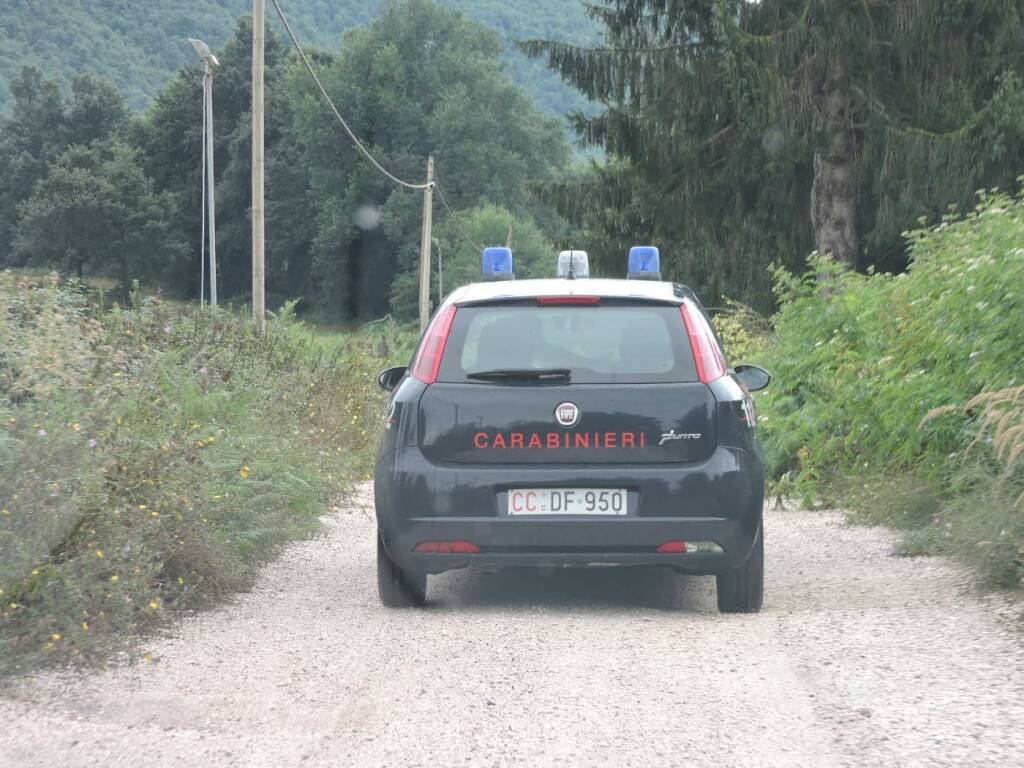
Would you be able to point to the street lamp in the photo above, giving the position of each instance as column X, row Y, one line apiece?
column 211, row 63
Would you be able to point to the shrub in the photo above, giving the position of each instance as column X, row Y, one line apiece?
column 860, row 360
column 152, row 457
column 744, row 332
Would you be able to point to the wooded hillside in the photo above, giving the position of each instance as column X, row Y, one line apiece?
column 139, row 44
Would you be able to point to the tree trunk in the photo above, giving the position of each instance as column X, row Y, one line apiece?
column 833, row 195
column 125, row 287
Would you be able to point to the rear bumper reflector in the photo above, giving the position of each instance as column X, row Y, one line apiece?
column 447, row 548
column 692, row 547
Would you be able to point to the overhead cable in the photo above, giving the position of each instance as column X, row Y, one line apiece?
column 334, row 109
column 454, row 219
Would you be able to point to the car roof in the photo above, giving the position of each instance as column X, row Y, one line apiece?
column 649, row 290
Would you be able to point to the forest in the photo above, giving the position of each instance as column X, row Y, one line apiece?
column 139, row 44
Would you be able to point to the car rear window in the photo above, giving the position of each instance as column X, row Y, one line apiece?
column 599, row 344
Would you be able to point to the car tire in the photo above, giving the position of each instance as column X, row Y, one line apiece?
column 398, row 588
column 742, row 590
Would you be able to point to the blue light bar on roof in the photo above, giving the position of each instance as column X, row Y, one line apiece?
column 497, row 264
column 644, row 263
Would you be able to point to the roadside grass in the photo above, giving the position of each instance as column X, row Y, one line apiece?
column 152, row 458
column 900, row 396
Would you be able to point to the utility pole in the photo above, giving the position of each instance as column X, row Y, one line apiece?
column 428, row 210
column 258, row 45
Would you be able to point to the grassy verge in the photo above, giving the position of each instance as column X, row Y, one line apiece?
column 152, row 458
column 900, row 396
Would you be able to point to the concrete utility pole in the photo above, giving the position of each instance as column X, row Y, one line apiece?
column 428, row 209
column 210, row 197
column 211, row 63
column 258, row 270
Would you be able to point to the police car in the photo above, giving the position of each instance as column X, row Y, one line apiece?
column 571, row 422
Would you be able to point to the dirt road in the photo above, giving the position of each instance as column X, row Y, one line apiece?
column 859, row 659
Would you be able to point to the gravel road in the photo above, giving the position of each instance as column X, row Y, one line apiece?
column 859, row 659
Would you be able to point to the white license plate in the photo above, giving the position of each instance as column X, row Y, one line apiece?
column 567, row 501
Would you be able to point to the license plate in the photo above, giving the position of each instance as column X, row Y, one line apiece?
column 567, row 501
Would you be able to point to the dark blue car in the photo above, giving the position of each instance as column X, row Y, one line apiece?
column 571, row 423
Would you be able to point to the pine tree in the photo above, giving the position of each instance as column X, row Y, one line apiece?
column 772, row 127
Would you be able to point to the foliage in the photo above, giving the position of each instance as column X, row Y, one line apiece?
column 87, row 189
column 97, row 206
column 151, row 458
column 860, row 360
column 457, row 238
column 419, row 80
column 744, row 332
column 43, row 127
column 746, row 133
column 139, row 44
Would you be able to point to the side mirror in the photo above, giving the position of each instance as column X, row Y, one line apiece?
column 753, row 377
column 389, row 379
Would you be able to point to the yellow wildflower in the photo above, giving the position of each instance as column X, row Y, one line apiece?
column 115, row 578
column 244, row 473
column 99, row 553
column 85, row 625
column 55, row 636
column 153, row 605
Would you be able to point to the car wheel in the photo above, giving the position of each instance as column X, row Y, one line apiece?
column 398, row 588
column 742, row 590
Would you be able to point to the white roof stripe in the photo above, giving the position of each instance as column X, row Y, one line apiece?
column 525, row 289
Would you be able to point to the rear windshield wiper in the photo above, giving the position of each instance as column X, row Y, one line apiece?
column 521, row 374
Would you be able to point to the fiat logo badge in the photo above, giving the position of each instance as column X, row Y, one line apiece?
column 567, row 414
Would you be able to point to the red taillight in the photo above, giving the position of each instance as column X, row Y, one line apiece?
column 428, row 360
column 542, row 300
column 448, row 548
column 710, row 363
column 676, row 547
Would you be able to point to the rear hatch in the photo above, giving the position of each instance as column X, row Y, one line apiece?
column 603, row 382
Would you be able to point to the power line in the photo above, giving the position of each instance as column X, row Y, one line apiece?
column 454, row 219
column 337, row 114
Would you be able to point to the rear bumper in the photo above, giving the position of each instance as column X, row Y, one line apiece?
column 719, row 500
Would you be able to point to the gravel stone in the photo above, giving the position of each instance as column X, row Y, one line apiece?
column 858, row 659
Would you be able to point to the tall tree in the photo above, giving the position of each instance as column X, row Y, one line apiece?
column 96, row 206
column 419, row 80
column 44, row 125
column 823, row 123
column 29, row 141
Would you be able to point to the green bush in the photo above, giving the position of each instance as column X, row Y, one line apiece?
column 860, row 360
column 151, row 458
